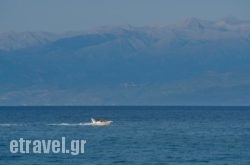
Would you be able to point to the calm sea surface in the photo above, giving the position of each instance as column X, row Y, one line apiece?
column 138, row 135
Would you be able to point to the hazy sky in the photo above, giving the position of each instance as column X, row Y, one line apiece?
column 65, row 15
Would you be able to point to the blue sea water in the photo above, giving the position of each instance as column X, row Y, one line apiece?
column 138, row 135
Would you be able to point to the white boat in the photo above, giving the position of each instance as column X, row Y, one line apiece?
column 100, row 122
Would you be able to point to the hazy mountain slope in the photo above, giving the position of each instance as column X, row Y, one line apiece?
column 192, row 62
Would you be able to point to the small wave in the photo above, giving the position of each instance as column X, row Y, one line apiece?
column 8, row 125
column 68, row 124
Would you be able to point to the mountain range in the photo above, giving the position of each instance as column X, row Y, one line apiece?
column 192, row 62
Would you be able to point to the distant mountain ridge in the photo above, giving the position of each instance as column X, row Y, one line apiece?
column 19, row 40
column 193, row 62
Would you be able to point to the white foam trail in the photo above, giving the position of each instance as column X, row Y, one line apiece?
column 7, row 125
column 86, row 123
column 68, row 124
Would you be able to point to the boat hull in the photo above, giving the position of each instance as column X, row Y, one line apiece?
column 100, row 122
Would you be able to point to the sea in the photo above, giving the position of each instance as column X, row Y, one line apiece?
column 140, row 135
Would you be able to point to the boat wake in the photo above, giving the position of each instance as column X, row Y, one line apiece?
column 75, row 124
column 7, row 125
column 87, row 123
column 69, row 124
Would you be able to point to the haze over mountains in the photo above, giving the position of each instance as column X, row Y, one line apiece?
column 194, row 62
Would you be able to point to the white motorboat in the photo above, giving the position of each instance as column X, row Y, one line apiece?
column 100, row 122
